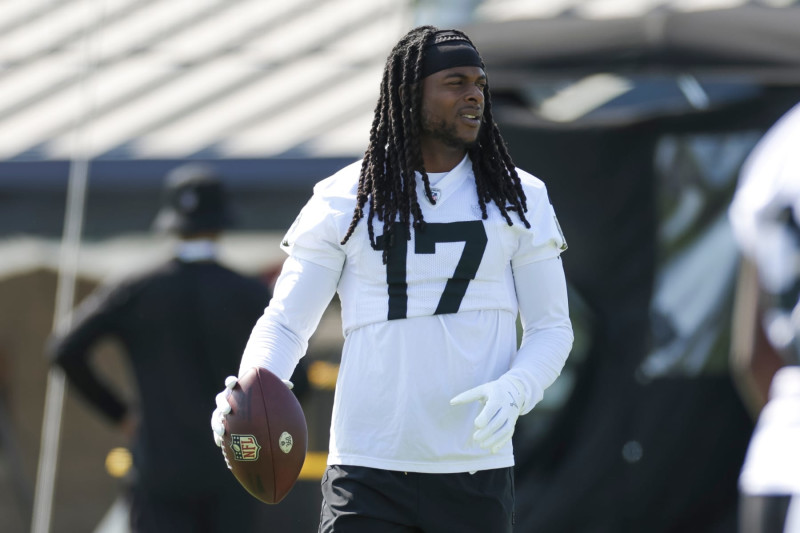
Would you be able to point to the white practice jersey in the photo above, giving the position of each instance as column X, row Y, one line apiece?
column 439, row 318
column 458, row 263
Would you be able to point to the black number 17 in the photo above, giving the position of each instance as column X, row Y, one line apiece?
column 471, row 233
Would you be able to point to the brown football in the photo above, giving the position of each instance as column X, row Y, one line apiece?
column 265, row 435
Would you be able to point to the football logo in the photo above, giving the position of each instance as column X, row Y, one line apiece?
column 245, row 447
column 286, row 442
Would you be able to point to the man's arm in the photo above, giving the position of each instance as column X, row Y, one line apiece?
column 93, row 319
column 280, row 337
column 546, row 343
column 547, row 330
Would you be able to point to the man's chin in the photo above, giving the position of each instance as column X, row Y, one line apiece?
column 470, row 140
column 461, row 143
column 450, row 137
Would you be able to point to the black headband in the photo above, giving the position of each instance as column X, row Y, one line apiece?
column 448, row 50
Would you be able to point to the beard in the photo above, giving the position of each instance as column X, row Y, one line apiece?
column 439, row 129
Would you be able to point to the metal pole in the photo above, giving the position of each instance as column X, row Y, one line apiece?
column 65, row 297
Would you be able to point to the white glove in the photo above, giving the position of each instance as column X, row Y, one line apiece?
column 503, row 400
column 223, row 408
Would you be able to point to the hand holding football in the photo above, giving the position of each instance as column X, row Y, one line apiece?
column 265, row 436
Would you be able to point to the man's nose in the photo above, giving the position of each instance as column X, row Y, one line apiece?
column 475, row 94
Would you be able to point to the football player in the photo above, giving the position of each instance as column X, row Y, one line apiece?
column 765, row 215
column 435, row 243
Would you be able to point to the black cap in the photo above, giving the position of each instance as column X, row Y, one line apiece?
column 194, row 200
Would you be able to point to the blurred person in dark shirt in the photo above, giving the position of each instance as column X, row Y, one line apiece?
column 183, row 326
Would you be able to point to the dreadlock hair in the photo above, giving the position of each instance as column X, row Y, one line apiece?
column 387, row 180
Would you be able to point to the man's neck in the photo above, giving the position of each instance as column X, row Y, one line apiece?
column 442, row 160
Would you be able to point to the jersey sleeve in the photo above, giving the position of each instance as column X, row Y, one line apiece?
column 280, row 337
column 547, row 336
column 314, row 236
column 544, row 239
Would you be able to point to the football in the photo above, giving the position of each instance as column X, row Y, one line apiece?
column 265, row 435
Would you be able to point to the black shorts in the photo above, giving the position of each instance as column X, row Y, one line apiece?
column 359, row 499
column 765, row 514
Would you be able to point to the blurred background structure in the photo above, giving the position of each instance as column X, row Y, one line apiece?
column 636, row 113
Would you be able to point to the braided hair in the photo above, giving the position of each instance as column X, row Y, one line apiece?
column 387, row 180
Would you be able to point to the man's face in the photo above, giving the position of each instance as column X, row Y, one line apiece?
column 452, row 107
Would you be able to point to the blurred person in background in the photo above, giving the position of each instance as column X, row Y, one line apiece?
column 183, row 326
column 765, row 214
column 434, row 242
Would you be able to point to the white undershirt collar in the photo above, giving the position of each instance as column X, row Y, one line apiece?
column 446, row 182
column 196, row 250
